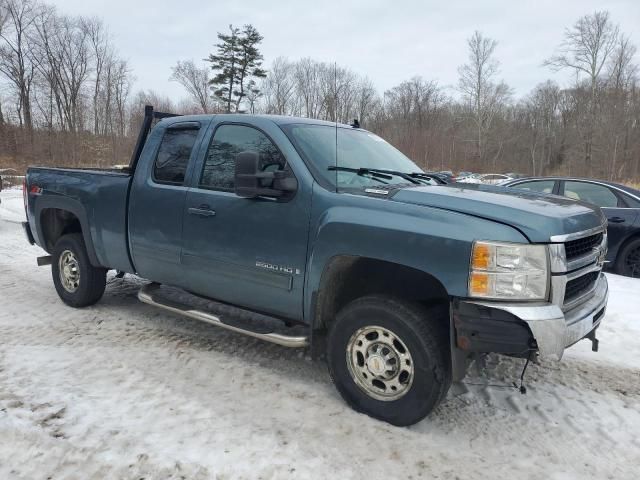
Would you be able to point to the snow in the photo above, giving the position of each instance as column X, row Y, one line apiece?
column 123, row 390
column 12, row 206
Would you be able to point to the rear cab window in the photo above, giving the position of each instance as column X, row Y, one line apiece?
column 172, row 159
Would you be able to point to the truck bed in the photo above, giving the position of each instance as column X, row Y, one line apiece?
column 100, row 195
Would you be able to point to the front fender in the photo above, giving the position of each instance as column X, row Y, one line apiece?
column 435, row 241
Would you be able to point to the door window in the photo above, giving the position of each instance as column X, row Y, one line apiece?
column 592, row 193
column 542, row 186
column 230, row 140
column 173, row 156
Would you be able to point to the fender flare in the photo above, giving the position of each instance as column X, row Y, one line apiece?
column 74, row 207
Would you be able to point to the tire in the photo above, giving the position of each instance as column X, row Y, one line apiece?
column 91, row 281
column 422, row 332
column 628, row 260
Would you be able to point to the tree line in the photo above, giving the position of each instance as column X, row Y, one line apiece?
column 590, row 127
column 66, row 99
column 64, row 94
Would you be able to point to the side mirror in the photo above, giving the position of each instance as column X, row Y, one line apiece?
column 250, row 182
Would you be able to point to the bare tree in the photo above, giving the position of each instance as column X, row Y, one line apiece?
column 279, row 87
column 66, row 59
column 317, row 90
column 484, row 96
column 412, row 114
column 99, row 44
column 619, row 124
column 307, row 75
column 121, row 88
column 17, row 62
column 540, row 111
column 586, row 48
column 196, row 82
column 366, row 100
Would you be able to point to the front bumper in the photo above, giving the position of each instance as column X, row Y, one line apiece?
column 550, row 329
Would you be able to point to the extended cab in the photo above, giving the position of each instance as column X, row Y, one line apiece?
column 338, row 241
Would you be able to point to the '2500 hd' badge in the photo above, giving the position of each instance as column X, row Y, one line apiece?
column 278, row 268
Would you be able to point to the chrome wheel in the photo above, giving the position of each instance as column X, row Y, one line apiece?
column 380, row 363
column 69, row 269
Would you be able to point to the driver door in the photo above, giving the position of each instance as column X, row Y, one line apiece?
column 247, row 252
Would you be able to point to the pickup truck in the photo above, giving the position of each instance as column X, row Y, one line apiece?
column 339, row 243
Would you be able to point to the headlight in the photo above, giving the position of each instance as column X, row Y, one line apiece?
column 508, row 271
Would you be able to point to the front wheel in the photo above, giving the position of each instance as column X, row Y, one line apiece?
column 78, row 283
column 390, row 359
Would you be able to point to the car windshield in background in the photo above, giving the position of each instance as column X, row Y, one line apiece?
column 360, row 154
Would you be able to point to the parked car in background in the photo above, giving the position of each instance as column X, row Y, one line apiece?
column 487, row 178
column 472, row 178
column 620, row 204
column 494, row 178
column 515, row 175
column 442, row 178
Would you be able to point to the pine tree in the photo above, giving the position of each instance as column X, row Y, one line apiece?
column 237, row 63
column 226, row 64
column 249, row 65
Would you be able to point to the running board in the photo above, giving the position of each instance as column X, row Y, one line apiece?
column 149, row 294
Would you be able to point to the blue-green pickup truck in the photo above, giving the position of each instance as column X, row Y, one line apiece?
column 338, row 241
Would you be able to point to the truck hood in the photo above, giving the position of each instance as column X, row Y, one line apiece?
column 538, row 216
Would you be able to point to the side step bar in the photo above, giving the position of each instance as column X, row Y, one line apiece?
column 149, row 294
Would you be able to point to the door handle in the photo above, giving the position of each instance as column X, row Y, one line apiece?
column 202, row 210
column 617, row 220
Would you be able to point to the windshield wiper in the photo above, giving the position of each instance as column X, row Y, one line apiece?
column 377, row 172
column 363, row 172
column 427, row 176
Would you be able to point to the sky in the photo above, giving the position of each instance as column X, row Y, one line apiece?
column 387, row 41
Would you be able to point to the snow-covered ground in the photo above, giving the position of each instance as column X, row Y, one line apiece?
column 11, row 206
column 122, row 390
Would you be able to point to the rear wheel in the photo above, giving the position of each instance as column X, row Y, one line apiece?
column 77, row 282
column 390, row 359
column 628, row 261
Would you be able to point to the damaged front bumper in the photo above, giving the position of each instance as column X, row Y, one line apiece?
column 519, row 328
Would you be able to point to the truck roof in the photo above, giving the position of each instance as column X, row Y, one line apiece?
column 243, row 117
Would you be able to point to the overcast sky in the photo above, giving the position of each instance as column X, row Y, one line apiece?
column 388, row 41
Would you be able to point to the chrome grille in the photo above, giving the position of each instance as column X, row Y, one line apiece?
column 582, row 246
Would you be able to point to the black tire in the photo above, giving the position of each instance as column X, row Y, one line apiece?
column 628, row 260
column 424, row 332
column 92, row 281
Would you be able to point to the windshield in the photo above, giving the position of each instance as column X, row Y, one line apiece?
column 357, row 150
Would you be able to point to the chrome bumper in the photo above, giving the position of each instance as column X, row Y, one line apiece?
column 553, row 329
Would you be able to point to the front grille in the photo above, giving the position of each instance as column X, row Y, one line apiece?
column 579, row 286
column 582, row 246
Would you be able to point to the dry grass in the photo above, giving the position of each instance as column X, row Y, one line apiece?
column 19, row 150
